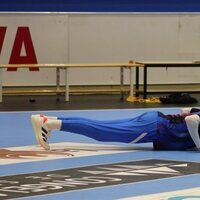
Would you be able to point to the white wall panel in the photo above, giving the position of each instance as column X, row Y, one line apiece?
column 49, row 34
column 100, row 38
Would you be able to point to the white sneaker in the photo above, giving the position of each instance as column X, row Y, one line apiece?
column 41, row 130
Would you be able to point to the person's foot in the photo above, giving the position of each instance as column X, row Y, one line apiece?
column 41, row 130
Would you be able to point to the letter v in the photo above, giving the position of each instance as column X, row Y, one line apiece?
column 2, row 36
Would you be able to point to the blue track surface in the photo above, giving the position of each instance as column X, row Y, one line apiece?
column 16, row 131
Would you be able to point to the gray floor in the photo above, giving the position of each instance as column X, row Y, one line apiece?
column 23, row 103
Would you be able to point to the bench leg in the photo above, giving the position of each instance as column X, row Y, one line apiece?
column 131, row 81
column 121, row 82
column 1, row 85
column 66, row 85
column 57, row 84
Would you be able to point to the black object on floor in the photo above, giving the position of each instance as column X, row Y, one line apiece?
column 178, row 98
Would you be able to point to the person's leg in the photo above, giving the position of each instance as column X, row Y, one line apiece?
column 118, row 121
column 106, row 131
column 86, row 119
column 134, row 130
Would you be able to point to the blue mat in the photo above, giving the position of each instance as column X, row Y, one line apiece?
column 78, row 167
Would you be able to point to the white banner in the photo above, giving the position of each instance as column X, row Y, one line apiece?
column 33, row 39
column 187, row 194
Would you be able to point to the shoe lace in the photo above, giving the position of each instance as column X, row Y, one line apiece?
column 45, row 131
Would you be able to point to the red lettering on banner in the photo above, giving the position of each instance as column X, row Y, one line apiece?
column 23, row 37
column 2, row 36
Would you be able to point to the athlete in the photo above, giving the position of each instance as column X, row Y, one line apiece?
column 167, row 132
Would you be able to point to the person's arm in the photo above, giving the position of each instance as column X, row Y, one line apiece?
column 192, row 123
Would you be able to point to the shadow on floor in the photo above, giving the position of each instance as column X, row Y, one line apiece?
column 23, row 103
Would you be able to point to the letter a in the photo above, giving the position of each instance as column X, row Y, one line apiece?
column 23, row 36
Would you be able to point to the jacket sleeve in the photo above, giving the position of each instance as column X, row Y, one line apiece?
column 192, row 123
column 185, row 110
column 189, row 110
